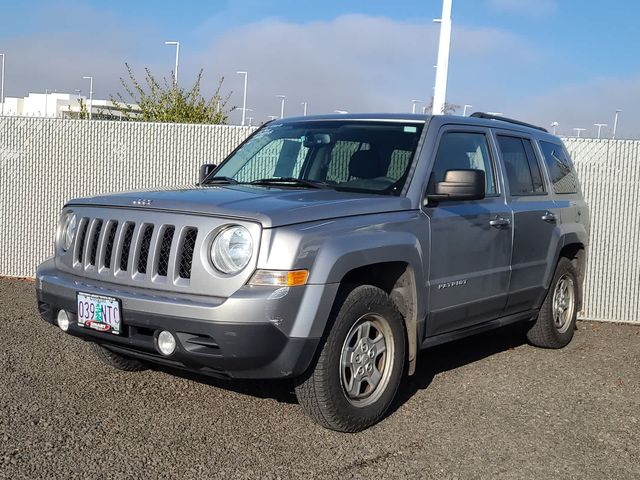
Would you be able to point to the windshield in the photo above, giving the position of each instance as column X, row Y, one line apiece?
column 362, row 156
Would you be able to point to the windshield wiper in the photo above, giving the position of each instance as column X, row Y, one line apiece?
column 220, row 181
column 299, row 181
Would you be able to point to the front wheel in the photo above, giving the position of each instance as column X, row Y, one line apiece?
column 361, row 363
column 116, row 360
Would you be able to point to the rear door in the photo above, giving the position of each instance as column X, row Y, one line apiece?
column 535, row 216
column 470, row 240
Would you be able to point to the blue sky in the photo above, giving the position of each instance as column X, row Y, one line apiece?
column 569, row 61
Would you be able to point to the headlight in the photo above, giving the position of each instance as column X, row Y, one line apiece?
column 69, row 225
column 232, row 249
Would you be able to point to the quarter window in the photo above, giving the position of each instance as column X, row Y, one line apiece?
column 521, row 165
column 463, row 151
column 561, row 172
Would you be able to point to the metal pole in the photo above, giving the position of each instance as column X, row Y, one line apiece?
column 464, row 112
column 414, row 104
column 46, row 101
column 555, row 126
column 250, row 119
column 244, row 97
column 599, row 125
column 615, row 124
column 2, row 84
column 175, row 72
column 90, row 96
column 579, row 131
column 283, row 98
column 442, row 69
column 304, row 109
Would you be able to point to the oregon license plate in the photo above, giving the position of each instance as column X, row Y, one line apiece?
column 99, row 313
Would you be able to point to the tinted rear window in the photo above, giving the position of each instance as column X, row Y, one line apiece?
column 560, row 169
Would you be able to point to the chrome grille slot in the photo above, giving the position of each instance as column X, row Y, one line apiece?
column 145, row 245
column 82, row 236
column 111, row 236
column 126, row 245
column 189, row 237
column 165, row 250
column 95, row 237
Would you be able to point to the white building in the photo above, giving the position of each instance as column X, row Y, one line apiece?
column 59, row 105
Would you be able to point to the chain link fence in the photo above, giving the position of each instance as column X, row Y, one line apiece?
column 44, row 162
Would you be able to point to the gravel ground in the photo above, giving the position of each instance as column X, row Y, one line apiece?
column 488, row 407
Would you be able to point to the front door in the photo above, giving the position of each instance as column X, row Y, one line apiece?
column 471, row 241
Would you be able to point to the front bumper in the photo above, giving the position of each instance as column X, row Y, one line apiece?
column 249, row 335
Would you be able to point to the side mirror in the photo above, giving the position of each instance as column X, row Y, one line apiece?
column 205, row 170
column 459, row 185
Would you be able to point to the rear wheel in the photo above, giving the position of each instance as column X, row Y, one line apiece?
column 361, row 363
column 116, row 360
column 556, row 321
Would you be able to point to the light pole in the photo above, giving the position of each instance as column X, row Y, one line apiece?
column 414, row 103
column 579, row 131
column 600, row 125
column 90, row 96
column 175, row 73
column 615, row 124
column 464, row 112
column 283, row 99
column 555, row 126
column 250, row 120
column 304, row 108
column 442, row 69
column 2, row 84
column 244, row 96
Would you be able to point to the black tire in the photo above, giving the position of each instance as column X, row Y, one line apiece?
column 321, row 393
column 545, row 332
column 116, row 360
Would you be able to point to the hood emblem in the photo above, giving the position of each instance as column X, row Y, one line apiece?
column 142, row 202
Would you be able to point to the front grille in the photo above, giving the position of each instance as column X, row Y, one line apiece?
column 126, row 245
column 165, row 249
column 108, row 251
column 111, row 244
column 95, row 237
column 145, row 244
column 186, row 256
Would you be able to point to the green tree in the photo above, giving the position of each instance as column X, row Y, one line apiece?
column 155, row 101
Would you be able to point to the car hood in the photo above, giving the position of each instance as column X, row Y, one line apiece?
column 272, row 206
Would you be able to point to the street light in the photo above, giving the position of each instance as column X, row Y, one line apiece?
column 413, row 105
column 175, row 73
column 2, row 84
column 304, row 108
column 244, row 97
column 600, row 125
column 464, row 112
column 90, row 96
column 579, row 131
column 615, row 124
column 47, row 91
column 555, row 126
column 283, row 99
column 250, row 120
column 442, row 70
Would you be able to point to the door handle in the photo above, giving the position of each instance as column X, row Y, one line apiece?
column 549, row 217
column 500, row 222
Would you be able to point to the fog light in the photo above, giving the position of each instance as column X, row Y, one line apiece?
column 63, row 320
column 166, row 343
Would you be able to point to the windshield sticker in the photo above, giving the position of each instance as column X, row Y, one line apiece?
column 409, row 129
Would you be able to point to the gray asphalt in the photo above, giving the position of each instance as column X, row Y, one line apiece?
column 491, row 407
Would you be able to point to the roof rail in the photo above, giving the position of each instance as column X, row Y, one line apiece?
column 488, row 116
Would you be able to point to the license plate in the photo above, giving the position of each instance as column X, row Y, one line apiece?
column 99, row 313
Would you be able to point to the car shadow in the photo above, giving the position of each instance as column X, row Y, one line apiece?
column 431, row 362
column 452, row 355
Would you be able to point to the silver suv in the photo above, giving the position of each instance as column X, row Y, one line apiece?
column 329, row 250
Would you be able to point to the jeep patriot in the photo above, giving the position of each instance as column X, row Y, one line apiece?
column 329, row 250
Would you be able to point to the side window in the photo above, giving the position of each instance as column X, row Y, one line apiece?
column 463, row 151
column 559, row 165
column 521, row 165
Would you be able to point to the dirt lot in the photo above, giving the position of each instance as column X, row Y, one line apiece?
column 488, row 407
